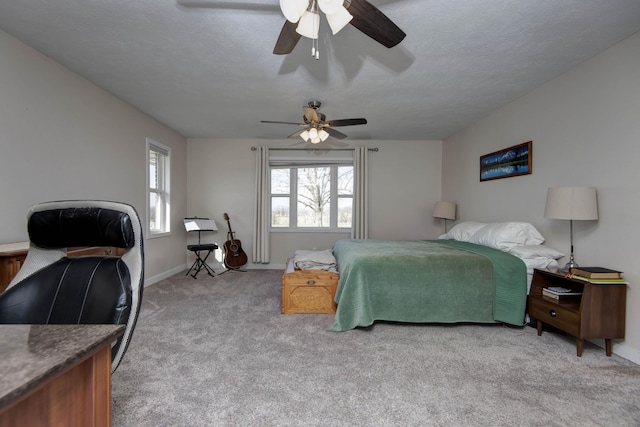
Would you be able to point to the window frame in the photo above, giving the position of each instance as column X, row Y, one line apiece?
column 293, row 198
column 164, row 193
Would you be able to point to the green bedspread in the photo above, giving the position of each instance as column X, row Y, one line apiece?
column 434, row 281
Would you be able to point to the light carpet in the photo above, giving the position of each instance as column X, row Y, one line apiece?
column 217, row 352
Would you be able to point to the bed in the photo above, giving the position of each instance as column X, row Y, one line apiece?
column 449, row 280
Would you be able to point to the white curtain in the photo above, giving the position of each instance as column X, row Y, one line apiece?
column 261, row 224
column 360, row 223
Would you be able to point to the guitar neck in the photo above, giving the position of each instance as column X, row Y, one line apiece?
column 230, row 233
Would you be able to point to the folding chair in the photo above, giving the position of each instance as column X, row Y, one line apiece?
column 201, row 251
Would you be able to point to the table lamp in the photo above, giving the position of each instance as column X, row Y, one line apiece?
column 445, row 210
column 572, row 203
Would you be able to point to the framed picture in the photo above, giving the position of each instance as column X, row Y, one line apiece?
column 505, row 163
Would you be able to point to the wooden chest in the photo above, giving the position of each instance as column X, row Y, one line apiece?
column 308, row 291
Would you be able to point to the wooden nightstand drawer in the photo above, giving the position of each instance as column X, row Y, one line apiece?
column 563, row 316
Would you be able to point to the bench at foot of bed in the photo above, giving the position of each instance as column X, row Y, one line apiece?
column 308, row 291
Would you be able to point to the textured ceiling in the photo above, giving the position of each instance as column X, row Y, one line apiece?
column 205, row 67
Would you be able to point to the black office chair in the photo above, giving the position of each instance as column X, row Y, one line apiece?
column 51, row 288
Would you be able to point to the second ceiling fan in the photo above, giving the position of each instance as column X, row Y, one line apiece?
column 303, row 20
column 316, row 128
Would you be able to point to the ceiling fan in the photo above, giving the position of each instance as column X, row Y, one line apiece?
column 303, row 19
column 315, row 127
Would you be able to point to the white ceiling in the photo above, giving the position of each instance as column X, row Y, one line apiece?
column 205, row 67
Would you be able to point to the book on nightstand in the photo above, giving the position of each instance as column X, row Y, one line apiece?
column 599, row 281
column 559, row 293
column 597, row 272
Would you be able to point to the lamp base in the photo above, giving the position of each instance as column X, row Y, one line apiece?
column 568, row 266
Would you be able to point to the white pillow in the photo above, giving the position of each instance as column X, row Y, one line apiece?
column 541, row 263
column 463, row 231
column 535, row 251
column 505, row 235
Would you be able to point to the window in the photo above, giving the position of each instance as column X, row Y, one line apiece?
column 158, row 175
column 312, row 197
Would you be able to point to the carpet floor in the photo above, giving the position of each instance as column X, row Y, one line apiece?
column 217, row 352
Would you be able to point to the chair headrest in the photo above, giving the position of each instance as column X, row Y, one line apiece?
column 85, row 226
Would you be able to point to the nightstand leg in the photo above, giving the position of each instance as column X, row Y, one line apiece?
column 579, row 345
column 607, row 346
column 539, row 325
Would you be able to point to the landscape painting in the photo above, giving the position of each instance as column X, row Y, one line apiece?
column 505, row 163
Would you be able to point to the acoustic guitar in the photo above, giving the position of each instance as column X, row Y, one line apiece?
column 234, row 256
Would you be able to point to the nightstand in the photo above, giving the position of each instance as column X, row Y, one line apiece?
column 598, row 314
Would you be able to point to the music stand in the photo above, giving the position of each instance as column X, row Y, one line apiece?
column 199, row 225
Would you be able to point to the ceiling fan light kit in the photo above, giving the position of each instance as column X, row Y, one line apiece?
column 293, row 9
column 309, row 25
column 314, row 135
column 303, row 19
column 339, row 19
column 305, row 14
column 329, row 7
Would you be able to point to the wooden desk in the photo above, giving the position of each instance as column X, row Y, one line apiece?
column 56, row 375
column 12, row 256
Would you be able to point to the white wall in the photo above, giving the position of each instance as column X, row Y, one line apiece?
column 64, row 138
column 585, row 128
column 405, row 185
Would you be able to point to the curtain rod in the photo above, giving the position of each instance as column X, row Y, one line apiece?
column 376, row 149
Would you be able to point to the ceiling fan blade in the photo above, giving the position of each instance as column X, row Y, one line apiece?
column 283, row 123
column 368, row 19
column 347, row 122
column 334, row 133
column 297, row 133
column 311, row 115
column 287, row 39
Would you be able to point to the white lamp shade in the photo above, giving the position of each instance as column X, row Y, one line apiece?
column 313, row 133
column 305, row 135
column 579, row 203
column 309, row 25
column 338, row 19
column 293, row 9
column 323, row 134
column 445, row 210
column 330, row 6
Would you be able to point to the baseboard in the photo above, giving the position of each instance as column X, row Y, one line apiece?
column 155, row 279
column 216, row 267
column 251, row 266
column 626, row 352
column 267, row 267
